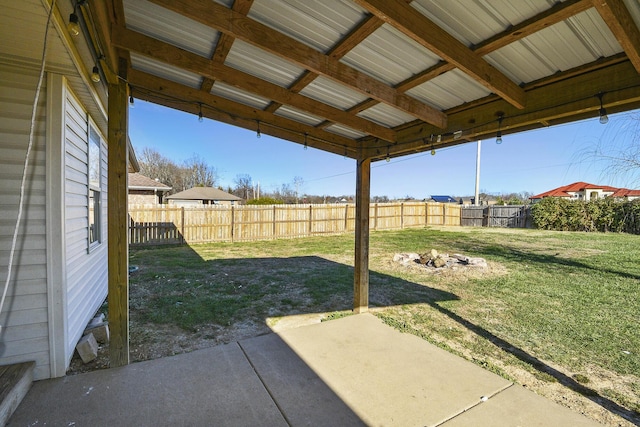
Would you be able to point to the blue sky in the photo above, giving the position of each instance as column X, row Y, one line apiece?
column 533, row 161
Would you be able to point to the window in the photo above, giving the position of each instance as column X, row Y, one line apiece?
column 94, row 188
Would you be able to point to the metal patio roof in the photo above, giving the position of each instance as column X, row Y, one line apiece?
column 377, row 78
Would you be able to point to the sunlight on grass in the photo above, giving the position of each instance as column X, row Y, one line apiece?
column 570, row 299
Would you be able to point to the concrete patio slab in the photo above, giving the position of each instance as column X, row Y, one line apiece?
column 216, row 386
column 517, row 406
column 346, row 372
column 389, row 378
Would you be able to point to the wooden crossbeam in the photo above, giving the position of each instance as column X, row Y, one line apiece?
column 425, row 32
column 243, row 28
column 161, row 51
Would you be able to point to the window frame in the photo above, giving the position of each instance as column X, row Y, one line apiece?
column 94, row 188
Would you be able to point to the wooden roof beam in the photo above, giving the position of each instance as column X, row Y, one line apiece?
column 159, row 90
column 225, row 42
column 558, row 101
column 164, row 52
column 248, row 30
column 357, row 35
column 621, row 24
column 418, row 27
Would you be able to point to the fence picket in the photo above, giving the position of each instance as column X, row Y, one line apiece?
column 153, row 225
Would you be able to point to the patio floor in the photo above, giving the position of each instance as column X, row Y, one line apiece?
column 346, row 372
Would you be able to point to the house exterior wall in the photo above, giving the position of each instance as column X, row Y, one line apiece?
column 24, row 318
column 57, row 282
column 143, row 197
column 86, row 265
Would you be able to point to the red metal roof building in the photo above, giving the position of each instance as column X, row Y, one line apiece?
column 586, row 191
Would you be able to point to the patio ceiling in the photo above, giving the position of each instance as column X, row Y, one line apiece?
column 376, row 78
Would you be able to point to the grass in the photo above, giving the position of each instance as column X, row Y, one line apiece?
column 558, row 305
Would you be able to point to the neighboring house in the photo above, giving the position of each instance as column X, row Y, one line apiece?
column 59, row 271
column 443, row 199
column 198, row 196
column 145, row 191
column 586, row 191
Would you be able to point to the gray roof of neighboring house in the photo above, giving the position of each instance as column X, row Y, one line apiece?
column 141, row 182
column 203, row 193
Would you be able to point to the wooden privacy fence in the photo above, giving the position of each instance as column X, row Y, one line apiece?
column 223, row 223
column 496, row 216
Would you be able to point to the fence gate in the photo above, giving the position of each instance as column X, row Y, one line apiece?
column 474, row 216
column 509, row 216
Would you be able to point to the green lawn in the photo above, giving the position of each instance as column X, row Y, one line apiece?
column 560, row 307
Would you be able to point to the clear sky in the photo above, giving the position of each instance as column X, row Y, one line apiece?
column 533, row 161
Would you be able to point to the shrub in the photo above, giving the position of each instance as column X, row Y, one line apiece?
column 554, row 213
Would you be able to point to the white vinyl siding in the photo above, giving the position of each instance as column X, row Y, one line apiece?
column 25, row 333
column 86, row 271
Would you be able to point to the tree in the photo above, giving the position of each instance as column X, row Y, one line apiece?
column 156, row 166
column 618, row 150
column 244, row 186
column 197, row 173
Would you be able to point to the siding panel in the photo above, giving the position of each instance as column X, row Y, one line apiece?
column 86, row 277
column 24, row 316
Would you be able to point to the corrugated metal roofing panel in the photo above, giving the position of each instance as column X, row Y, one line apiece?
column 166, row 71
column 254, row 61
column 298, row 115
column 560, row 47
column 317, row 24
column 163, row 24
column 332, row 93
column 345, row 131
column 386, row 115
column 449, row 90
column 238, row 95
column 634, row 10
column 489, row 16
column 390, row 56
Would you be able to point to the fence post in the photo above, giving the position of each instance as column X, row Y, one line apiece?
column 346, row 216
column 310, row 219
column 375, row 216
column 182, row 238
column 232, row 223
column 426, row 214
column 401, row 215
column 274, row 221
column 444, row 214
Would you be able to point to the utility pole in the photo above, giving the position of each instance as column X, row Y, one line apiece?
column 477, row 195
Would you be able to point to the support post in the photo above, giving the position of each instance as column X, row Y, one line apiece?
column 118, row 244
column 361, row 266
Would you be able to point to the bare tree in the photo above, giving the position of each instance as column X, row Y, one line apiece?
column 197, row 173
column 617, row 151
column 156, row 166
column 244, row 186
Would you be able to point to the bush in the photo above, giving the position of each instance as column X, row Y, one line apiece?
column 554, row 213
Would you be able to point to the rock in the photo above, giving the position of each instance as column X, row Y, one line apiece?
column 434, row 254
column 439, row 262
column 99, row 331
column 87, row 348
column 477, row 262
column 405, row 258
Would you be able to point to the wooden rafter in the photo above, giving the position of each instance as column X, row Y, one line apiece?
column 357, row 35
column 164, row 52
column 225, row 42
column 159, row 90
column 257, row 34
column 550, row 102
column 425, row 32
column 621, row 24
column 558, row 13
